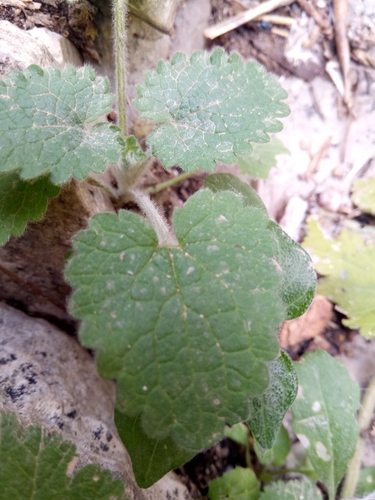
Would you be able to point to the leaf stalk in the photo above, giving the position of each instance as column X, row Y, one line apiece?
column 160, row 226
column 119, row 9
column 170, row 182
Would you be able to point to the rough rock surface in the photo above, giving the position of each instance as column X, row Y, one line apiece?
column 47, row 378
column 18, row 49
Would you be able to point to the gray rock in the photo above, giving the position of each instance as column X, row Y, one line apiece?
column 61, row 49
column 48, row 379
column 18, row 49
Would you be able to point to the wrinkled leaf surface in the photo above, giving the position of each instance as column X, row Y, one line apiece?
column 212, row 105
column 237, row 484
column 267, row 410
column 44, row 123
column 34, row 465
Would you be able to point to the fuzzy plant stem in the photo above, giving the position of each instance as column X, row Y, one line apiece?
column 119, row 11
column 364, row 419
column 160, row 226
column 169, row 182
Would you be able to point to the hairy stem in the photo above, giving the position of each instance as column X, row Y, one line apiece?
column 169, row 182
column 119, row 10
column 160, row 226
column 364, row 419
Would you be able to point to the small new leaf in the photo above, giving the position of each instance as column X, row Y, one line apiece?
column 263, row 157
column 212, row 106
column 267, row 410
column 186, row 330
column 21, row 201
column 366, row 482
column 301, row 489
column 347, row 264
column 44, row 124
column 132, row 153
column 276, row 455
column 34, row 464
column 237, row 484
column 324, row 415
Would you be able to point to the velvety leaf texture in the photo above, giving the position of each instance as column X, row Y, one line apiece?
column 43, row 126
column 34, row 465
column 299, row 277
column 229, row 182
column 267, row 410
column 263, row 157
column 301, row 489
column 185, row 330
column 132, row 153
column 21, row 201
column 151, row 458
column 324, row 415
column 237, row 484
column 348, row 266
column 212, row 105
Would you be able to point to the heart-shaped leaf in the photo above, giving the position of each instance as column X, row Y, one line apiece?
column 186, row 330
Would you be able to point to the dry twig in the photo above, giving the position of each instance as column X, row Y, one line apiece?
column 244, row 17
column 340, row 8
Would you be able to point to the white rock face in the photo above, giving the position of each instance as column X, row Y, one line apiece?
column 18, row 49
column 48, row 379
column 61, row 49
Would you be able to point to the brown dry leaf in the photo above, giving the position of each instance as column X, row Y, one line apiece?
column 307, row 326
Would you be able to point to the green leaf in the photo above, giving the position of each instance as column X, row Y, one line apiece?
column 366, row 482
column 323, row 415
column 263, row 157
column 34, row 465
column 229, row 182
column 132, row 153
column 43, row 126
column 151, row 458
column 237, row 484
column 279, row 451
column 348, row 265
column 301, row 489
column 21, row 201
column 212, row 105
column 363, row 195
column 267, row 410
column 299, row 278
column 238, row 433
column 186, row 330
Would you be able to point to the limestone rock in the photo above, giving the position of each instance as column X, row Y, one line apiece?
column 18, row 49
column 48, row 379
column 61, row 49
